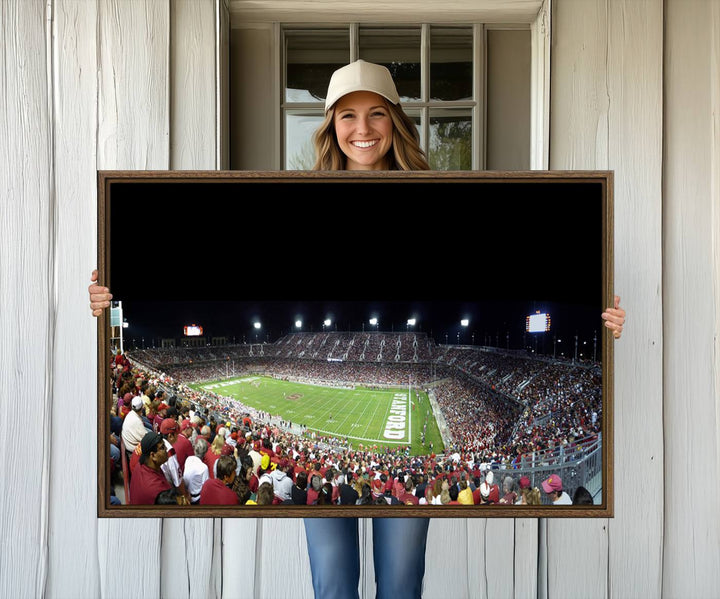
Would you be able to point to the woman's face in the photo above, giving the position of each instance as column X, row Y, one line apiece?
column 364, row 130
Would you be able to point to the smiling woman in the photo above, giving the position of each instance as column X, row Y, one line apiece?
column 365, row 128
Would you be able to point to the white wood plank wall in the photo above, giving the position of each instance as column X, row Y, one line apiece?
column 690, row 288
column 75, row 562
column 27, row 315
column 132, row 133
column 113, row 84
column 606, row 112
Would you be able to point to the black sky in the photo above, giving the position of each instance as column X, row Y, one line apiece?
column 280, row 251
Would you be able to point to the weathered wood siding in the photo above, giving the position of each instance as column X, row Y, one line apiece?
column 691, row 278
column 607, row 113
column 118, row 84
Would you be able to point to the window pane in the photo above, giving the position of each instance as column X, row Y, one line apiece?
column 508, row 100
column 311, row 57
column 299, row 151
column 451, row 63
column 399, row 50
column 450, row 145
column 415, row 117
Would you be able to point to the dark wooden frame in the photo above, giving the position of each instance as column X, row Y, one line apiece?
column 435, row 181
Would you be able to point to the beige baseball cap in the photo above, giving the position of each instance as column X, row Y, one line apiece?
column 361, row 76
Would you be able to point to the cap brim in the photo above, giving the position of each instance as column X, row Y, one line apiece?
column 330, row 101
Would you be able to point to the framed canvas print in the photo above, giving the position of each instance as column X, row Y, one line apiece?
column 286, row 344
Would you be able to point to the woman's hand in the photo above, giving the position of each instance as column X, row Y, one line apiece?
column 615, row 318
column 99, row 296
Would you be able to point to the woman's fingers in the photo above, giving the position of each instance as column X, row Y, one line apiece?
column 99, row 296
column 615, row 318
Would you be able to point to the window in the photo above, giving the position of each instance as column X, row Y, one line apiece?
column 440, row 73
column 468, row 88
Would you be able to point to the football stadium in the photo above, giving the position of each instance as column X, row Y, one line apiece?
column 359, row 415
column 382, row 407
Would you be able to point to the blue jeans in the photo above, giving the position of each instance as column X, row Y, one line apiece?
column 398, row 555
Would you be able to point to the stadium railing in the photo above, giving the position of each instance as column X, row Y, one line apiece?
column 580, row 468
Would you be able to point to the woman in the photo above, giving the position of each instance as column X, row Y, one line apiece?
column 365, row 128
column 435, row 497
column 214, row 453
column 241, row 485
column 445, row 493
column 530, row 497
column 510, row 496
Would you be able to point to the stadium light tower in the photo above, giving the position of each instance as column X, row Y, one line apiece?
column 326, row 323
column 257, row 326
column 298, row 324
column 594, row 346
column 410, row 323
column 374, row 322
column 576, row 343
column 464, row 324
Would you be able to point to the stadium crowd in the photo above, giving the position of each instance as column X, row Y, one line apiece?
column 351, row 347
column 183, row 438
column 330, row 373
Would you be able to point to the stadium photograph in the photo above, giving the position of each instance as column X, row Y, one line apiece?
column 330, row 398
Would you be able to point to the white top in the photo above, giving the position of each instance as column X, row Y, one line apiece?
column 564, row 499
column 133, row 430
column 195, row 474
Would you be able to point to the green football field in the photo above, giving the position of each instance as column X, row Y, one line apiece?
column 386, row 418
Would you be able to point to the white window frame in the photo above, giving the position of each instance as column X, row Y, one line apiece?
column 534, row 13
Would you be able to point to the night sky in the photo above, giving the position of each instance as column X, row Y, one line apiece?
column 222, row 255
column 490, row 323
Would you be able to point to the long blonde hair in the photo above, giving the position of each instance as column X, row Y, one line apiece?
column 405, row 154
column 217, row 444
column 531, row 496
